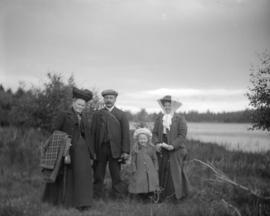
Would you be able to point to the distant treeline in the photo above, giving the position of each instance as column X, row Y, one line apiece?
column 238, row 116
column 194, row 116
column 37, row 106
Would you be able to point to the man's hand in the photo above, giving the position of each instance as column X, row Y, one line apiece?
column 125, row 156
column 158, row 147
column 170, row 147
column 133, row 169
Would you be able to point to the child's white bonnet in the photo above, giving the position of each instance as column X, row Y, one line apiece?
column 139, row 131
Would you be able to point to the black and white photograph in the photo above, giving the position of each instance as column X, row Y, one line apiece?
column 134, row 107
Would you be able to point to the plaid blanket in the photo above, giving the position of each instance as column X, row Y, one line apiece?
column 52, row 148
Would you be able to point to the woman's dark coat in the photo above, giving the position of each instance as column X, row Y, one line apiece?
column 73, row 187
column 176, row 138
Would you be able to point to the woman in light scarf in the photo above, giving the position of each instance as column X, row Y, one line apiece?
column 169, row 136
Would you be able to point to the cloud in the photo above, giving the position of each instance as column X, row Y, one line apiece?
column 145, row 48
column 186, row 92
column 216, row 100
column 194, row 92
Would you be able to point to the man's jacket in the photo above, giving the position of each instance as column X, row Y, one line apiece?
column 112, row 127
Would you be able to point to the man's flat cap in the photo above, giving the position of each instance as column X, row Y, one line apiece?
column 109, row 92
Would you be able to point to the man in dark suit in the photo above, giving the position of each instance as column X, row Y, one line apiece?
column 110, row 130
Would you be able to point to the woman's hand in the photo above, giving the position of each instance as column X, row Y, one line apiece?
column 168, row 147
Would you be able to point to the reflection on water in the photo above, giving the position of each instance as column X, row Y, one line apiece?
column 232, row 135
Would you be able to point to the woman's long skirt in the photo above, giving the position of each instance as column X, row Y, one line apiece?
column 165, row 178
column 74, row 184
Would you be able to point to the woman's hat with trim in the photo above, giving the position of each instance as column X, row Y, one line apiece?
column 139, row 131
column 168, row 98
column 84, row 94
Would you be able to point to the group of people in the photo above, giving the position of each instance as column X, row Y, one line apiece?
column 77, row 168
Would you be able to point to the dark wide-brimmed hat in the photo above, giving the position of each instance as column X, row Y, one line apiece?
column 166, row 98
column 84, row 94
column 109, row 92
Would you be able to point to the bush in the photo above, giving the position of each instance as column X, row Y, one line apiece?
column 20, row 149
column 35, row 108
column 259, row 93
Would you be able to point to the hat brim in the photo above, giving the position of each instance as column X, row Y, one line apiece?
column 109, row 92
column 174, row 103
column 82, row 94
column 114, row 94
column 144, row 131
column 85, row 98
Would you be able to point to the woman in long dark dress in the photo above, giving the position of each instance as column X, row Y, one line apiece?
column 74, row 184
column 169, row 135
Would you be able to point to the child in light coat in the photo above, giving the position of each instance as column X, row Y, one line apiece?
column 144, row 164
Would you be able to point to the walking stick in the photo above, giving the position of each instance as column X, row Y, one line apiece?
column 67, row 160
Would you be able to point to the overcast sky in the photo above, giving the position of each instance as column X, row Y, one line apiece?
column 199, row 51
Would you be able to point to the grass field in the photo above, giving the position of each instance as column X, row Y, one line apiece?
column 21, row 185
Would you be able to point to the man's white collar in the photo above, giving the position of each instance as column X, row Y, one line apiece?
column 110, row 109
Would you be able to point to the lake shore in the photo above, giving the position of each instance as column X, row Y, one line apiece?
column 233, row 136
column 21, row 184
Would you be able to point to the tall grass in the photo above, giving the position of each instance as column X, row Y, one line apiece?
column 21, row 185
